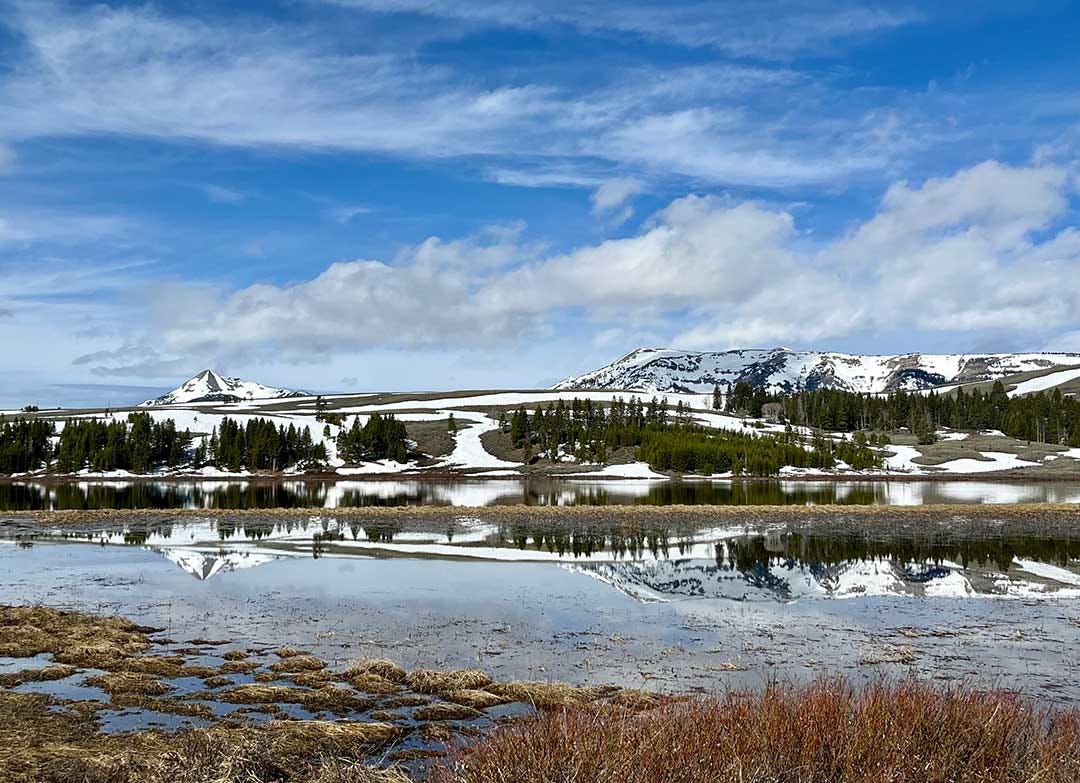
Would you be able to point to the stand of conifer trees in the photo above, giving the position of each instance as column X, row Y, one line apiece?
column 669, row 441
column 25, row 444
column 260, row 445
column 382, row 437
column 138, row 444
column 1045, row 417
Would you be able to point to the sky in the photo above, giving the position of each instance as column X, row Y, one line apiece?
column 347, row 195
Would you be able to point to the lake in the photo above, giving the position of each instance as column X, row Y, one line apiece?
column 234, row 495
column 664, row 608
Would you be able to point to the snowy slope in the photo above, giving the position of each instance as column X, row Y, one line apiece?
column 782, row 369
column 208, row 386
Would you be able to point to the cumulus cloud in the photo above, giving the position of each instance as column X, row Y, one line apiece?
column 974, row 252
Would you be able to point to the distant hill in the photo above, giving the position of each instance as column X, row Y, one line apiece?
column 208, row 386
column 782, row 369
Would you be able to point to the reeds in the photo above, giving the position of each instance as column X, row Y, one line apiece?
column 827, row 732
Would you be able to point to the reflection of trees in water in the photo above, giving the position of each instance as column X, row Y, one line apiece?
column 314, row 494
column 755, row 552
column 797, row 549
column 757, row 493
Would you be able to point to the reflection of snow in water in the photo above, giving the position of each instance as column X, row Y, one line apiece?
column 691, row 570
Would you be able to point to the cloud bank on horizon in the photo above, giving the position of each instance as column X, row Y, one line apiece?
column 404, row 194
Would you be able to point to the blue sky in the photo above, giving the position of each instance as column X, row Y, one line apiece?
column 388, row 194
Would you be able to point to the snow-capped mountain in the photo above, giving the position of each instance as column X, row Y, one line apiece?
column 208, row 386
column 782, row 369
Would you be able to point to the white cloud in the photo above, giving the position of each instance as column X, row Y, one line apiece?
column 222, row 195
column 972, row 253
column 141, row 72
column 346, row 213
column 613, row 193
column 737, row 28
column 136, row 71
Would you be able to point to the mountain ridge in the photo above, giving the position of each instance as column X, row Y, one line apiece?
column 785, row 370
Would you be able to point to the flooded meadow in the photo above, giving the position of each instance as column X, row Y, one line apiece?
column 651, row 601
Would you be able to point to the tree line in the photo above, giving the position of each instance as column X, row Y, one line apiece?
column 1044, row 417
column 259, row 445
column 140, row 444
column 669, row 440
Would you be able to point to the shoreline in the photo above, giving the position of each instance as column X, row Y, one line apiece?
column 1006, row 477
column 1066, row 515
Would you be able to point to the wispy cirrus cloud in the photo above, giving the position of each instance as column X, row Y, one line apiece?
column 222, row 195
column 138, row 71
column 736, row 28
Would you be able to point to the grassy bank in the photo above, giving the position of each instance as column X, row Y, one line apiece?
column 825, row 733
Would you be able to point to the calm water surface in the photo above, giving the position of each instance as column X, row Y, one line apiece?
column 220, row 495
column 643, row 606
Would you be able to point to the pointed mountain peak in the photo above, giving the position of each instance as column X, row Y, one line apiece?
column 208, row 386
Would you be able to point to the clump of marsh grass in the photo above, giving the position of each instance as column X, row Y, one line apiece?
column 137, row 683
column 300, row 662
column 329, row 698
column 430, row 681
column 233, row 666
column 379, row 667
column 548, row 695
column 827, row 732
column 476, row 699
column 72, row 637
column 446, row 711
column 44, row 674
column 310, row 679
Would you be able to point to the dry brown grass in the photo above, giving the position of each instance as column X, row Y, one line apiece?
column 431, row 681
column 635, row 701
column 336, row 700
column 313, row 679
column 446, row 711
column 548, row 695
column 352, row 772
column 235, row 655
column 42, row 745
column 217, row 682
column 298, row 663
column 72, row 637
column 374, row 684
column 289, row 652
column 823, row 733
column 117, row 683
column 477, row 699
column 237, row 667
column 44, row 674
column 380, row 667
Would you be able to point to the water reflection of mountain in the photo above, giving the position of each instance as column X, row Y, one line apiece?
column 203, row 564
column 670, row 580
